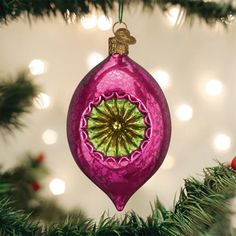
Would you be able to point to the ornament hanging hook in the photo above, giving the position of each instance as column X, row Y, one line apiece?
column 116, row 23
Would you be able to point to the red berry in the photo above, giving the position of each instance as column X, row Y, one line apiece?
column 40, row 158
column 233, row 163
column 35, row 186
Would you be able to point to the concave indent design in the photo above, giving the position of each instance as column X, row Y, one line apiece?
column 116, row 127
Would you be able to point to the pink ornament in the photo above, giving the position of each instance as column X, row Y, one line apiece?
column 118, row 127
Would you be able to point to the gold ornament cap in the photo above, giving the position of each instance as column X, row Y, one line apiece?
column 119, row 44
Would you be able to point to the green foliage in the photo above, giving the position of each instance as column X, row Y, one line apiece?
column 24, row 178
column 15, row 222
column 209, row 11
column 22, row 184
column 16, row 98
column 202, row 210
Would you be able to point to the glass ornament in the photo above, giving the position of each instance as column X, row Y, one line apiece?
column 118, row 123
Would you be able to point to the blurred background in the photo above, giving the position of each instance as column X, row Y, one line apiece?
column 195, row 66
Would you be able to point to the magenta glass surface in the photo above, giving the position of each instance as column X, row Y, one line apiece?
column 119, row 77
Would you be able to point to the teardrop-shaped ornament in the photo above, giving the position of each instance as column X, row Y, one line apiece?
column 118, row 123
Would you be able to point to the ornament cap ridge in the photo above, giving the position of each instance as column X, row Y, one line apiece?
column 119, row 44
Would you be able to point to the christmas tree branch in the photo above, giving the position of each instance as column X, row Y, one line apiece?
column 16, row 98
column 202, row 209
column 208, row 11
column 203, row 205
column 22, row 184
column 15, row 222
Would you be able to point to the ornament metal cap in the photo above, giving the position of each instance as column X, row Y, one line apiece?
column 119, row 44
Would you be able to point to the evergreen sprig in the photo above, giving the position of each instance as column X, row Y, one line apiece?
column 209, row 11
column 15, row 222
column 22, row 184
column 16, row 99
column 202, row 210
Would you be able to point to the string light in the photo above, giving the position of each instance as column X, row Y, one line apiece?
column 162, row 78
column 222, row 142
column 104, row 23
column 57, row 186
column 89, row 22
column 42, row 101
column 49, row 136
column 184, row 112
column 93, row 59
column 37, row 67
column 214, row 87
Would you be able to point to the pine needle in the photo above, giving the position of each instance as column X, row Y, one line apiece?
column 16, row 99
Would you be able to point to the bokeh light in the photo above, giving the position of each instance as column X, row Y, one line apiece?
column 104, row 23
column 49, row 136
column 162, row 78
column 70, row 17
column 222, row 142
column 42, row 101
column 37, row 67
column 89, row 22
column 57, row 186
column 214, row 87
column 175, row 15
column 184, row 112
